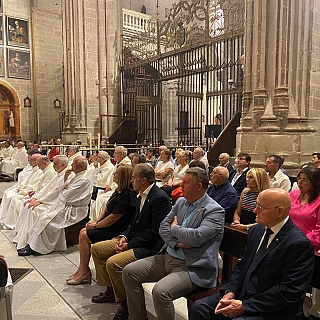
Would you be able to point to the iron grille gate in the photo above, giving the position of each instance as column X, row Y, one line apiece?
column 203, row 58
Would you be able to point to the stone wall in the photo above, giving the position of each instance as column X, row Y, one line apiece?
column 45, row 85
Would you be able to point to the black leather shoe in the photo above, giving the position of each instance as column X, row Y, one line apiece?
column 103, row 298
column 122, row 313
column 26, row 251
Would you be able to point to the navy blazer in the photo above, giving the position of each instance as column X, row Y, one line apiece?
column 143, row 233
column 278, row 283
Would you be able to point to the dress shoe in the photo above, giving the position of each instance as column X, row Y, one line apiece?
column 122, row 313
column 70, row 277
column 85, row 278
column 26, row 251
column 104, row 297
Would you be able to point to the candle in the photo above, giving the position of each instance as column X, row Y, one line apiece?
column 90, row 141
column 98, row 141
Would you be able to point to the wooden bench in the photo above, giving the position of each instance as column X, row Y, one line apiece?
column 72, row 232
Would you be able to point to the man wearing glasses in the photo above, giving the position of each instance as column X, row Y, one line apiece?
column 271, row 279
column 223, row 192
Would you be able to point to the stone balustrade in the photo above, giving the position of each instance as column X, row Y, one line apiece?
column 134, row 21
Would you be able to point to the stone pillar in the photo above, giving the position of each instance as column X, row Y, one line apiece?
column 170, row 112
column 110, row 52
column 275, row 117
column 74, row 68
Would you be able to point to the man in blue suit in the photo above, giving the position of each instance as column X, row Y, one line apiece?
column 192, row 232
column 272, row 277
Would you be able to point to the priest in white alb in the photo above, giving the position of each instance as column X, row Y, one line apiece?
column 48, row 232
column 41, row 201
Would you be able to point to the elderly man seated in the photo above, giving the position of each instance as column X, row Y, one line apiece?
column 224, row 161
column 120, row 156
column 41, row 201
column 271, row 279
column 223, row 192
column 6, row 217
column 199, row 154
column 47, row 234
column 100, row 175
column 192, row 232
column 18, row 200
column 19, row 159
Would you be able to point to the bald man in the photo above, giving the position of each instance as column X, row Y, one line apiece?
column 223, row 192
column 271, row 279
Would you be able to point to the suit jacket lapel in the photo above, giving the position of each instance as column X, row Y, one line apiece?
column 145, row 205
column 275, row 241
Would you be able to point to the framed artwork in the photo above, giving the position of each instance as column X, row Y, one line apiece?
column 18, row 64
column 18, row 32
column 1, row 28
column 2, row 62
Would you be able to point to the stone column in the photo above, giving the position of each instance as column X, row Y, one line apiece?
column 74, row 68
column 110, row 52
column 277, row 66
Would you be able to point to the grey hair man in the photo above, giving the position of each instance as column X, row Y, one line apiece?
column 224, row 159
column 223, row 192
column 199, row 154
column 192, row 232
column 47, row 234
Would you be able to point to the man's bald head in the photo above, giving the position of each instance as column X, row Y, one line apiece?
column 79, row 164
column 219, row 175
column 273, row 206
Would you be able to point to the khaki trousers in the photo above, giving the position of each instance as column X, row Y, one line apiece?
column 109, row 266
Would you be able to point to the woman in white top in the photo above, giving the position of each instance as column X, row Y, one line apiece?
column 164, row 168
column 176, row 178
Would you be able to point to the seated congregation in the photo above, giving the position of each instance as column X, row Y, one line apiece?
column 162, row 220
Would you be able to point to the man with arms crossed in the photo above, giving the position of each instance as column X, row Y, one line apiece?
column 271, row 279
column 192, row 232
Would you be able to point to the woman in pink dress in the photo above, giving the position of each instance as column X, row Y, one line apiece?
column 305, row 213
column 305, row 207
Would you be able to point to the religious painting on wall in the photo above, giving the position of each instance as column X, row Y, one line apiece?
column 1, row 62
column 17, row 32
column 18, row 64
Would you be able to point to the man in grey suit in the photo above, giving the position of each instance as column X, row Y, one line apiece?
column 192, row 232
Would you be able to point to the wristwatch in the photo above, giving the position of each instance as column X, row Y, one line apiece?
column 96, row 226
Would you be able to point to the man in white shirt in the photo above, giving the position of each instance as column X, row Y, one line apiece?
column 276, row 177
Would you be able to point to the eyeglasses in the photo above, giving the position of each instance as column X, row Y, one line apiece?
column 261, row 209
column 302, row 180
column 215, row 172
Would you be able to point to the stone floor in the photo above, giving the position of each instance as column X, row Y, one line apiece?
column 43, row 294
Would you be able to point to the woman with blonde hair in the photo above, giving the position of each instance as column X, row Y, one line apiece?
column 176, row 179
column 113, row 219
column 164, row 168
column 244, row 217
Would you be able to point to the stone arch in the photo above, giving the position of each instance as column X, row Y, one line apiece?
column 9, row 112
